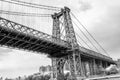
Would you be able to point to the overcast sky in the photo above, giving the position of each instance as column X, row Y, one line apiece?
column 101, row 18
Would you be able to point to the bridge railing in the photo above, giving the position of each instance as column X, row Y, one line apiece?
column 29, row 31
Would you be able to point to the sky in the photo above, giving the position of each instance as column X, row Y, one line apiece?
column 100, row 17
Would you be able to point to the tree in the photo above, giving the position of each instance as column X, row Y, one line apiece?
column 42, row 69
column 30, row 78
column 47, row 77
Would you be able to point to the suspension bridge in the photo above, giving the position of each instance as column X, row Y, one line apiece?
column 59, row 49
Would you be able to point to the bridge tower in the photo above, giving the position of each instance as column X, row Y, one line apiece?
column 57, row 63
column 73, row 59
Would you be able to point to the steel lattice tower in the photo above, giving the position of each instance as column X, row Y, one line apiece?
column 73, row 59
column 57, row 63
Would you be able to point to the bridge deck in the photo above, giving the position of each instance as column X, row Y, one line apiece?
column 19, row 36
column 90, row 53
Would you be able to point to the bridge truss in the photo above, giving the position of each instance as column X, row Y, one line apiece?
column 18, row 36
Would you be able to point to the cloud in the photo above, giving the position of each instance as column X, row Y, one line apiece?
column 21, row 63
column 4, row 51
column 107, row 30
column 84, row 6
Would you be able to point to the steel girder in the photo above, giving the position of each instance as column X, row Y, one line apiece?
column 29, row 31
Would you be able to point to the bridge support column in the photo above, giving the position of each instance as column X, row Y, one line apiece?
column 94, row 66
column 91, row 67
column 58, row 65
column 106, row 64
column 75, row 64
column 101, row 63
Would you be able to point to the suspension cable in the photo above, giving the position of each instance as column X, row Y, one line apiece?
column 24, row 14
column 86, row 37
column 36, row 4
column 90, row 34
column 83, row 41
column 80, row 43
column 29, row 5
